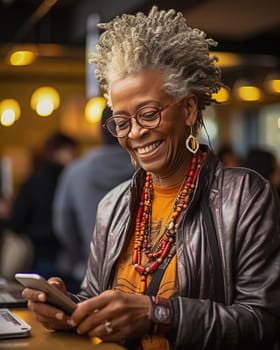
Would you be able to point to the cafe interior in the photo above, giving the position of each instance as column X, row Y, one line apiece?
column 46, row 83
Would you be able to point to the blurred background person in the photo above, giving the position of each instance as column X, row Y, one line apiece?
column 4, row 214
column 4, row 217
column 15, row 250
column 79, row 190
column 265, row 163
column 31, row 212
column 227, row 155
column 5, row 193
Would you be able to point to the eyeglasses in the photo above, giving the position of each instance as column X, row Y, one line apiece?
column 148, row 117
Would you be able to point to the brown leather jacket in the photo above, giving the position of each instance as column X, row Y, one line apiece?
column 246, row 216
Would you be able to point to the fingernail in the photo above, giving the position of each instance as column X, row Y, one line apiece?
column 59, row 316
column 54, row 283
column 42, row 297
column 71, row 323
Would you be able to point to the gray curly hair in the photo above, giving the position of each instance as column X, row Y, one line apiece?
column 161, row 39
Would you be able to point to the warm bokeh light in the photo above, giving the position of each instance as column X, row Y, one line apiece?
column 221, row 96
column 249, row 93
column 274, row 86
column 9, row 112
column 94, row 109
column 45, row 107
column 272, row 82
column 45, row 100
column 227, row 59
column 21, row 58
column 8, row 117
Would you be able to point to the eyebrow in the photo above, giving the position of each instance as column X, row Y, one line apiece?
column 140, row 105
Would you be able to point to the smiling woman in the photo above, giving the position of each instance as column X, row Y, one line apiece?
column 160, row 146
column 172, row 249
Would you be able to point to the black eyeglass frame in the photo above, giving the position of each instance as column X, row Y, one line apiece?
column 105, row 125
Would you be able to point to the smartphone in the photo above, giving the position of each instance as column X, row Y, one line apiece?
column 54, row 296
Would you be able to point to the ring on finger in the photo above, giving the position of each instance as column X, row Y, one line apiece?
column 108, row 327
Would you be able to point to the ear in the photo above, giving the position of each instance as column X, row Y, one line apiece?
column 190, row 105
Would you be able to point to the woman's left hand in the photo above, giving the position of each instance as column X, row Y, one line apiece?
column 113, row 316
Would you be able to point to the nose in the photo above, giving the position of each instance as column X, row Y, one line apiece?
column 136, row 130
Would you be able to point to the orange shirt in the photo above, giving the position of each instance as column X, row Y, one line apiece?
column 128, row 280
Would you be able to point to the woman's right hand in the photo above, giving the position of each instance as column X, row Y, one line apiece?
column 49, row 316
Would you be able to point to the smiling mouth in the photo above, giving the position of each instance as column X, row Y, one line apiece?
column 148, row 148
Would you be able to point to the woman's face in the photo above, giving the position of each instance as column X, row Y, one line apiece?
column 162, row 150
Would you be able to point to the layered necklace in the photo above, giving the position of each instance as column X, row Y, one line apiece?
column 166, row 246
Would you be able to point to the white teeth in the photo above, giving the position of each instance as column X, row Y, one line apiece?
column 149, row 148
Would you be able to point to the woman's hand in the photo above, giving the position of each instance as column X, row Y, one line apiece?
column 113, row 316
column 49, row 316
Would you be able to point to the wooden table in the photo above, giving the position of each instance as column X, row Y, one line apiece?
column 43, row 339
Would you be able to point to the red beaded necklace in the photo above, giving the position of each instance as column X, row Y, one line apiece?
column 166, row 246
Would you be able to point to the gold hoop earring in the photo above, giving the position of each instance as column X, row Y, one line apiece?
column 192, row 144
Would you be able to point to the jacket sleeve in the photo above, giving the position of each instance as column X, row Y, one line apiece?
column 250, row 319
column 109, row 235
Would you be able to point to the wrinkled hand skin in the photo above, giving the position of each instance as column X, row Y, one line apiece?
column 49, row 316
column 128, row 314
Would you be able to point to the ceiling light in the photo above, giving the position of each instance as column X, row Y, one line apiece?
column 9, row 112
column 272, row 83
column 246, row 91
column 227, row 59
column 221, row 96
column 21, row 57
column 45, row 100
column 94, row 108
